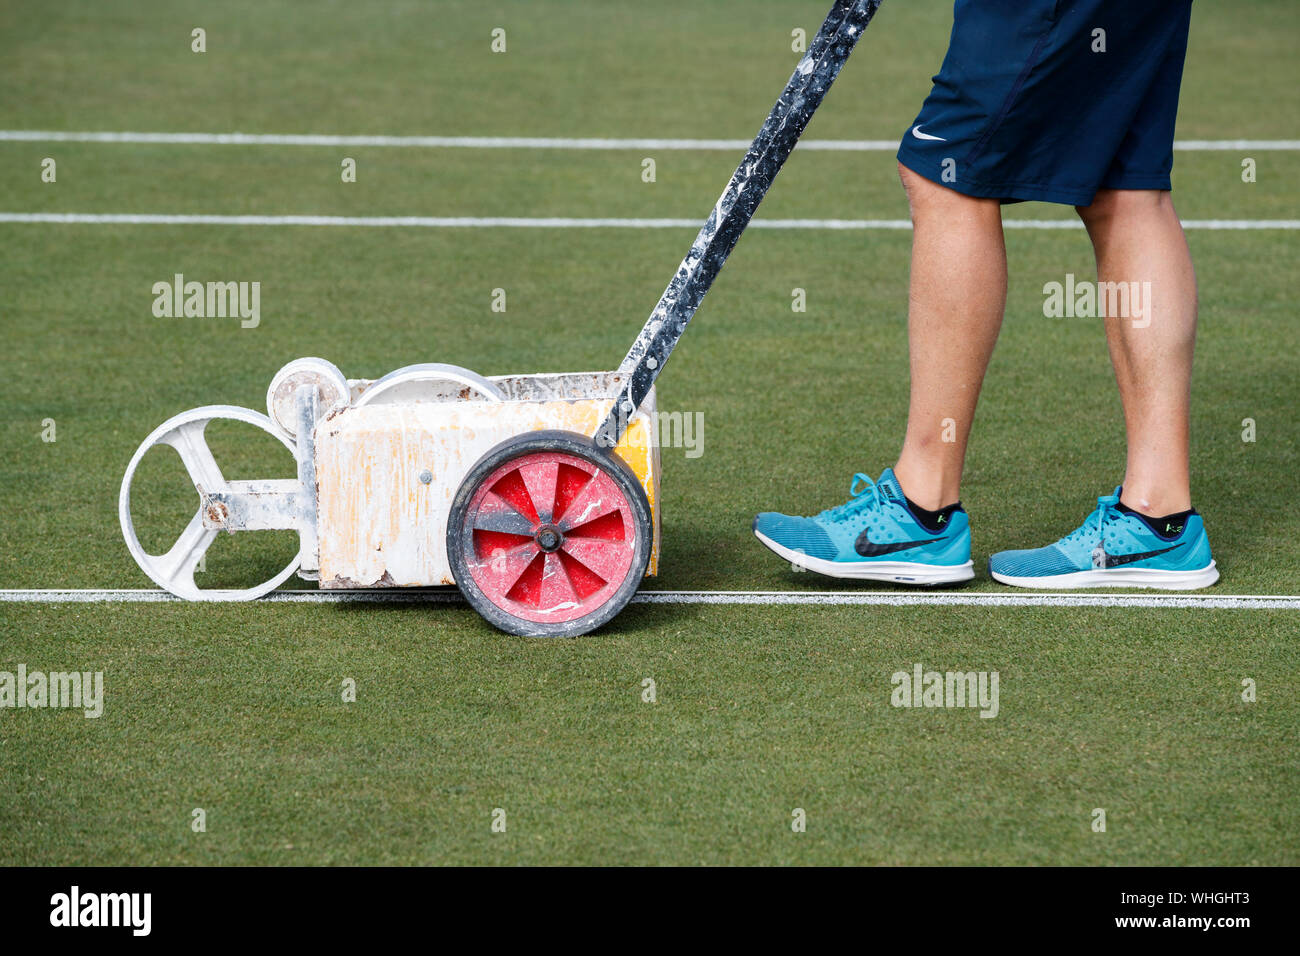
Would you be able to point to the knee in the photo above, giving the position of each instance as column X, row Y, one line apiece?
column 921, row 192
column 925, row 196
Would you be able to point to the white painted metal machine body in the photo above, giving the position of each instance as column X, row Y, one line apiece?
column 379, row 463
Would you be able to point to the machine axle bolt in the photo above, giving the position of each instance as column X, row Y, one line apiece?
column 549, row 539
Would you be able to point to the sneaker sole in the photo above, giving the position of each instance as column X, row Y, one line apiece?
column 892, row 572
column 1118, row 578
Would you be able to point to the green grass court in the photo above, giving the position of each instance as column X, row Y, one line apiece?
column 760, row 710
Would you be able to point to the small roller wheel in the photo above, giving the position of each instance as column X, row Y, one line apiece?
column 549, row 536
column 281, row 398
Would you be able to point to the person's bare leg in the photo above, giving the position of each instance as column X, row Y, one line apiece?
column 957, row 295
column 1138, row 238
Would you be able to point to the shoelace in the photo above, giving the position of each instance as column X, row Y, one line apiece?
column 1104, row 513
column 866, row 496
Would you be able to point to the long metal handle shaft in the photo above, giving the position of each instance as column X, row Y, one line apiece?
column 735, row 208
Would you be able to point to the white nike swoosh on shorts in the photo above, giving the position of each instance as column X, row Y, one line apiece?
column 916, row 131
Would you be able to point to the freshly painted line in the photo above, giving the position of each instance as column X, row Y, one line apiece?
column 985, row 599
column 551, row 222
column 152, row 596
column 1235, row 145
column 1241, row 223
column 429, row 142
column 529, row 142
column 869, row 598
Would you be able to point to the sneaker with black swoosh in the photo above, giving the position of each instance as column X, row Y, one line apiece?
column 876, row 535
column 1116, row 547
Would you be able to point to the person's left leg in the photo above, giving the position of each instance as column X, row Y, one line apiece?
column 1143, row 534
column 1139, row 242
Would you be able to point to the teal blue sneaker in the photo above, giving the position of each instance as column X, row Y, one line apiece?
column 1116, row 547
column 875, row 536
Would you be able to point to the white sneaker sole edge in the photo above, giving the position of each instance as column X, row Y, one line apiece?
column 1119, row 578
column 892, row 572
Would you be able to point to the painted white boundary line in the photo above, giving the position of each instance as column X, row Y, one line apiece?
column 518, row 222
column 870, row 598
column 531, row 142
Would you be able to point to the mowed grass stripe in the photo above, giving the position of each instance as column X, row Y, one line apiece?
column 238, row 710
column 768, row 382
column 162, row 180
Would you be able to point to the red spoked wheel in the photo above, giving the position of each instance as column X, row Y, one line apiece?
column 549, row 536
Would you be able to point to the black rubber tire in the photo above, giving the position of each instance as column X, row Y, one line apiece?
column 579, row 446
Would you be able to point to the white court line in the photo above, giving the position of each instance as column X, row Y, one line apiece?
column 552, row 222
column 532, row 142
column 870, row 598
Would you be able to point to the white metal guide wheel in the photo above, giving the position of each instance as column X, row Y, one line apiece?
column 257, row 505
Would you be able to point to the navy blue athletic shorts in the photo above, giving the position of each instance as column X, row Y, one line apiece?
column 1053, row 99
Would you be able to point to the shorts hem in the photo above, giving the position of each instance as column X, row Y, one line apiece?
column 1034, row 192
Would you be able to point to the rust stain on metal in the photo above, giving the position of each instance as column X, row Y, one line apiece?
column 217, row 512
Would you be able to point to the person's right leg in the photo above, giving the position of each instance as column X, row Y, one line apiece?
column 957, row 294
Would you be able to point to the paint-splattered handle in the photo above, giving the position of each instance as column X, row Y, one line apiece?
column 734, row 209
